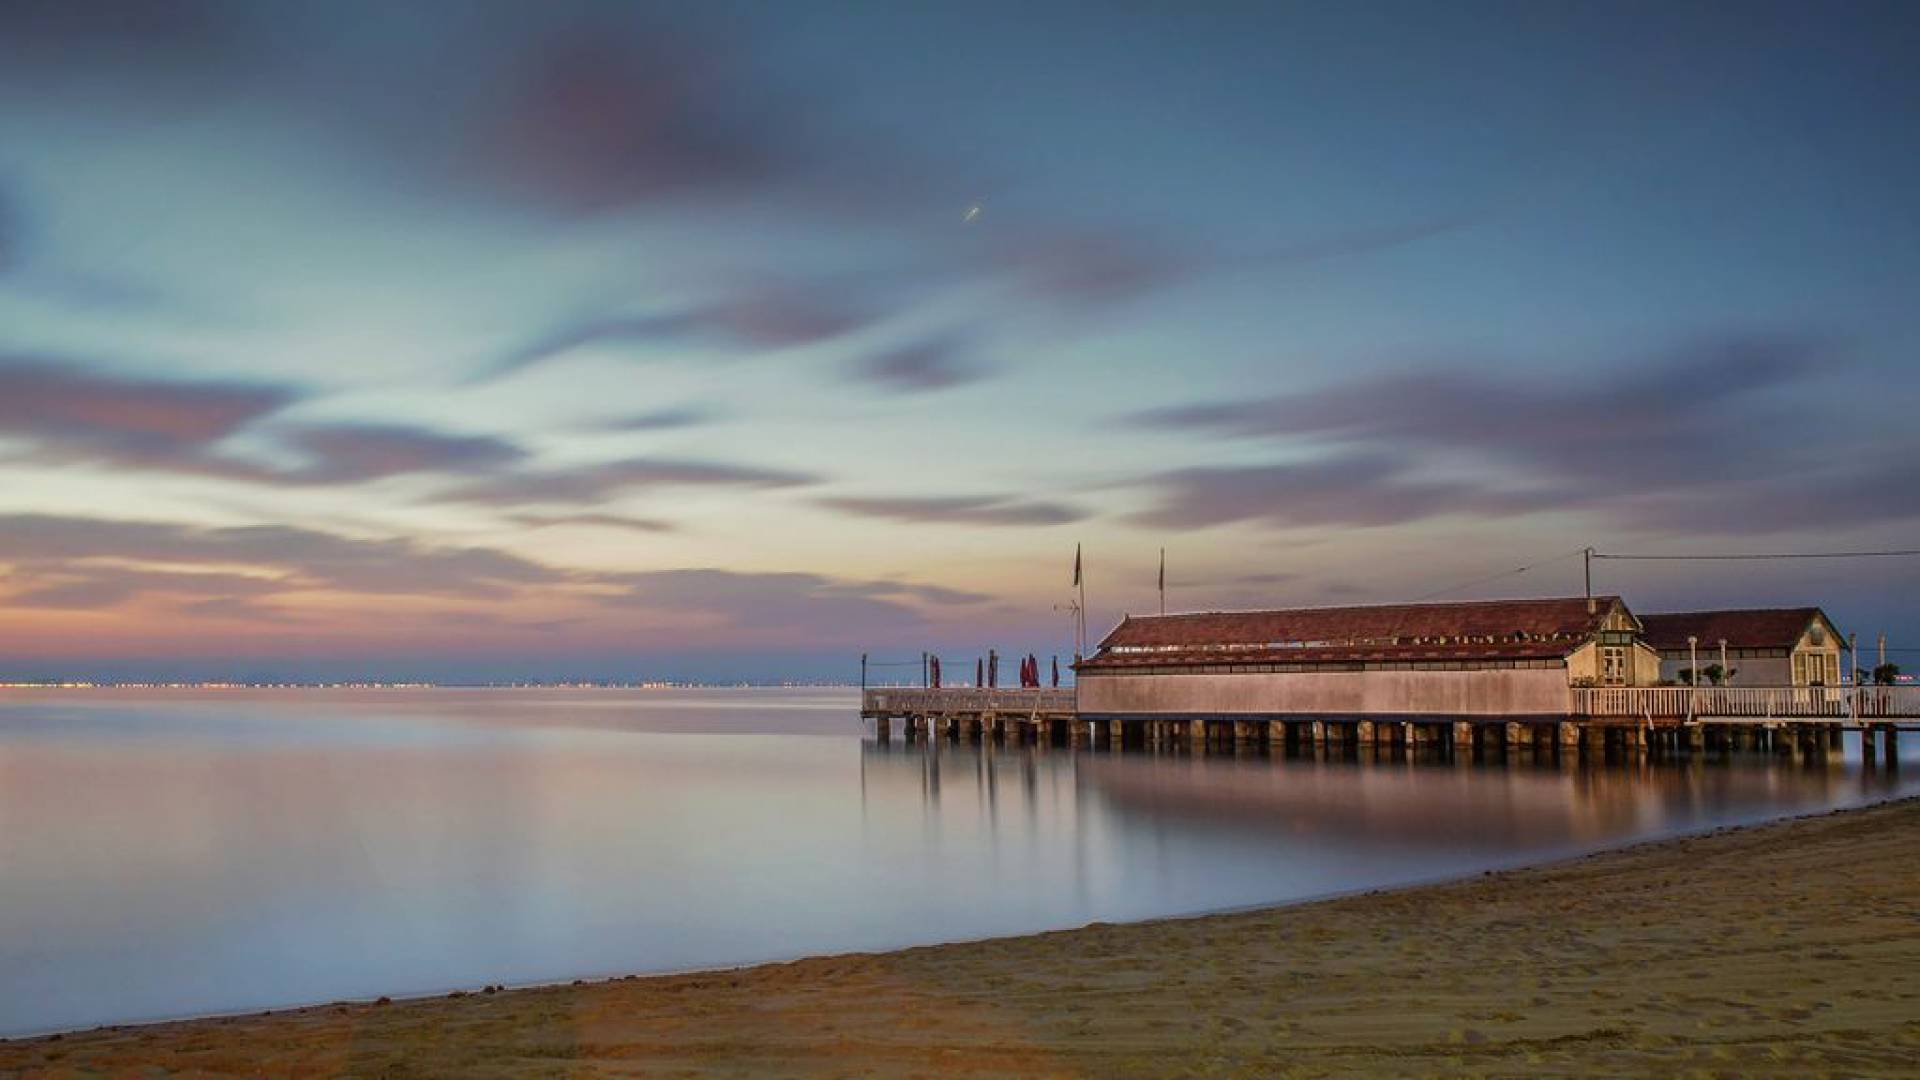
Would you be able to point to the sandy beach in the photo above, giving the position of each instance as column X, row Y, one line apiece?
column 1790, row 949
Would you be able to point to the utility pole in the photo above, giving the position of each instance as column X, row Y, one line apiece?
column 1726, row 673
column 1883, row 649
column 1693, row 652
column 863, row 673
column 1588, row 552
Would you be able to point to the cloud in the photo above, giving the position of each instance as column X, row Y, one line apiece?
column 348, row 453
column 1658, row 422
column 596, row 521
column 764, row 317
column 1354, row 490
column 294, row 558
column 593, row 483
column 784, row 603
column 662, row 419
column 958, row 510
column 936, row 364
column 1692, row 440
column 83, row 587
column 73, row 415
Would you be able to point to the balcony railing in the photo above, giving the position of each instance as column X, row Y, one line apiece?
column 898, row 700
column 1750, row 702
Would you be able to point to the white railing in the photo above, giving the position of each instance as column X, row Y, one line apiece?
column 897, row 700
column 1744, row 702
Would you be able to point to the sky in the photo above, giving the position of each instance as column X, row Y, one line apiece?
column 487, row 341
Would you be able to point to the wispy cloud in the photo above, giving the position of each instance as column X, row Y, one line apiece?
column 935, row 364
column 958, row 510
column 70, row 414
column 290, row 558
column 1654, row 444
column 682, row 416
column 349, row 453
column 593, row 483
column 595, row 521
column 1350, row 490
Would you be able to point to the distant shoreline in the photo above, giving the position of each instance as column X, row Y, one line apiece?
column 1771, row 949
column 353, row 685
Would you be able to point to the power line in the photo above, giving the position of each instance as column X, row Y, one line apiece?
column 1495, row 577
column 1767, row 555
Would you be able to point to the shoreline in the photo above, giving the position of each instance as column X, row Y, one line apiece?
column 1231, row 987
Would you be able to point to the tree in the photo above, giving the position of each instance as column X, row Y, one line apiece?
column 1886, row 674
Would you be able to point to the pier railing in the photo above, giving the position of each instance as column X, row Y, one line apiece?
column 1749, row 702
column 913, row 700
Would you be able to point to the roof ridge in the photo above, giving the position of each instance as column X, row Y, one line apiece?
column 1378, row 607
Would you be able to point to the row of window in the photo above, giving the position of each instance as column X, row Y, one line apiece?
column 1263, row 669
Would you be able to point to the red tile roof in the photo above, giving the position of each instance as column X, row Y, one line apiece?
column 1759, row 628
column 1483, row 630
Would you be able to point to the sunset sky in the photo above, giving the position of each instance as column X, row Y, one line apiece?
column 488, row 341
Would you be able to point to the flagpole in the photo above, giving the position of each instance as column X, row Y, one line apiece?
column 1163, row 581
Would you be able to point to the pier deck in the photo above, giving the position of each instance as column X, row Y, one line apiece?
column 1594, row 721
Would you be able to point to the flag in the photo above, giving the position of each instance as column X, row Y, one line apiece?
column 1076, row 566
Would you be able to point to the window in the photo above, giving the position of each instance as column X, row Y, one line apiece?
column 1613, row 666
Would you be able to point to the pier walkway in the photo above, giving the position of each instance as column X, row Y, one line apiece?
column 1596, row 720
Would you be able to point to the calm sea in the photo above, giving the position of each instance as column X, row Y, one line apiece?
column 172, row 853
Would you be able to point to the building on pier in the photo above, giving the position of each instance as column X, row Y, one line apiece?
column 1763, row 646
column 1507, row 658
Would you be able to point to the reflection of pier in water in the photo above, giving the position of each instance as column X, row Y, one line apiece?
column 1404, row 802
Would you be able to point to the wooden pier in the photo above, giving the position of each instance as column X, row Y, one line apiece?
column 1597, row 722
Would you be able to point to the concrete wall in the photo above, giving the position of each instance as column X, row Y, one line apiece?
column 1498, row 692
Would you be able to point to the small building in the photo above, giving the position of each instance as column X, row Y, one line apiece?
column 1514, row 658
column 1764, row 646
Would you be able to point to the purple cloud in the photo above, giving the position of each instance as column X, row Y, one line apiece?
column 662, row 419
column 763, row 317
column 959, row 510
column 935, row 364
column 296, row 558
column 592, row 483
column 1656, row 445
column 348, row 453
column 1355, row 491
column 73, row 415
column 595, row 521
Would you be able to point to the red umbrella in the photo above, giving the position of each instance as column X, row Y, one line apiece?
column 936, row 673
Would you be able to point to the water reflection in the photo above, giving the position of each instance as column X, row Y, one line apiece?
column 167, row 854
column 1419, row 801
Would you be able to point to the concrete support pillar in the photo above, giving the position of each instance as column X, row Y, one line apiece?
column 1317, row 731
column 1517, row 735
column 1569, row 736
column 1697, row 738
column 1463, row 738
column 883, row 729
column 1407, row 734
column 1363, row 732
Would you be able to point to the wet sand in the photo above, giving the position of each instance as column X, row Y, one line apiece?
column 1790, row 949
